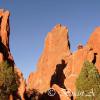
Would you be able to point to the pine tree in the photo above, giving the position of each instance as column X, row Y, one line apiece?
column 88, row 83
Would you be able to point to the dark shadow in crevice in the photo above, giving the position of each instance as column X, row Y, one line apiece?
column 5, row 52
column 72, row 97
column 58, row 77
column 45, row 96
column 94, row 60
column 0, row 21
column 69, row 44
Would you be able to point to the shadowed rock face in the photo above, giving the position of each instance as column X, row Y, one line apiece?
column 57, row 48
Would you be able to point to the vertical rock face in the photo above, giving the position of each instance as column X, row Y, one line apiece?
column 90, row 52
column 56, row 48
column 75, row 63
column 5, row 53
column 57, row 67
column 94, row 42
column 4, row 36
column 4, row 27
column 22, row 84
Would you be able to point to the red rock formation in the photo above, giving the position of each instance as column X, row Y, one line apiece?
column 90, row 52
column 64, row 95
column 50, row 67
column 57, row 48
column 22, row 84
column 5, row 53
column 5, row 29
column 4, row 35
column 75, row 64
column 94, row 42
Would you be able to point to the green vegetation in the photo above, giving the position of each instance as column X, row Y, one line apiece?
column 88, row 83
column 32, row 95
column 7, row 80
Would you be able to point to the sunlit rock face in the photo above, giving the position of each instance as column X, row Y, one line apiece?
column 57, row 67
column 21, row 82
column 74, row 65
column 94, row 42
column 90, row 52
column 4, row 27
column 58, row 63
column 4, row 36
column 5, row 53
column 56, row 48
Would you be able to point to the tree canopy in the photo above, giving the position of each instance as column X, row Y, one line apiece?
column 7, row 80
column 88, row 83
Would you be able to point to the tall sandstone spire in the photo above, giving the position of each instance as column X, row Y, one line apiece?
column 4, row 36
column 56, row 48
column 5, row 53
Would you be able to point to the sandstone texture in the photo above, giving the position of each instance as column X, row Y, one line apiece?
column 5, row 53
column 56, row 48
column 57, row 67
column 64, row 94
column 94, row 42
column 4, row 36
column 90, row 52
column 21, row 82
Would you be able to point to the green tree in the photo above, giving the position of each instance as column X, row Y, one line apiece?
column 88, row 83
column 7, row 80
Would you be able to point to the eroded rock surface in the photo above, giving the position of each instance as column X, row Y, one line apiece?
column 56, row 49
column 4, row 36
column 21, row 83
column 5, row 53
column 94, row 42
column 57, row 67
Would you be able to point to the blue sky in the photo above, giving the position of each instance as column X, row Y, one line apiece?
column 31, row 20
